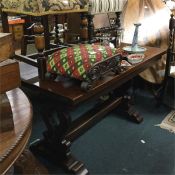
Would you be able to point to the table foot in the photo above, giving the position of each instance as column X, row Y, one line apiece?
column 134, row 115
column 60, row 154
column 127, row 108
column 74, row 166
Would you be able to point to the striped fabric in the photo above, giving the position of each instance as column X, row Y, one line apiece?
column 105, row 6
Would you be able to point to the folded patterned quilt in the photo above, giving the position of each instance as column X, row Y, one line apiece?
column 76, row 61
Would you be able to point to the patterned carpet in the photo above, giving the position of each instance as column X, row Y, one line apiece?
column 169, row 122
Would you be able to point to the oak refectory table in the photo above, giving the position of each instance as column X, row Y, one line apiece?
column 62, row 130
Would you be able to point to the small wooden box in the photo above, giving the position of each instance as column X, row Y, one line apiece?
column 9, row 75
column 6, row 46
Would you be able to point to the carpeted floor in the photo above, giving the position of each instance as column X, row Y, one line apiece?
column 118, row 146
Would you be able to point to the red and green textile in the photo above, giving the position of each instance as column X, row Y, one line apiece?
column 77, row 60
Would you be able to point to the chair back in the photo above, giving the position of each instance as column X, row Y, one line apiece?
column 169, row 79
column 170, row 51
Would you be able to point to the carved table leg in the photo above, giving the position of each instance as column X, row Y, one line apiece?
column 59, row 153
column 54, row 146
column 70, row 162
column 126, row 107
column 27, row 164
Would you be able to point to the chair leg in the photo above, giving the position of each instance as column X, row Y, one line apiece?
column 168, row 96
column 24, row 45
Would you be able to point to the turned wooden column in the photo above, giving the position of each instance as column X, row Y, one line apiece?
column 119, row 30
column 84, row 28
column 45, row 24
column 170, row 48
column 118, row 21
column 90, row 28
column 4, row 18
column 40, row 45
column 56, row 41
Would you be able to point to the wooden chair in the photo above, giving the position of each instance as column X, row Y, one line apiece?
column 28, row 37
column 29, row 34
column 169, row 80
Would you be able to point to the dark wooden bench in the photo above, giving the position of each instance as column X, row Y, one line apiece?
column 67, row 97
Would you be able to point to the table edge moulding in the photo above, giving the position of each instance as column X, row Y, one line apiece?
column 14, row 142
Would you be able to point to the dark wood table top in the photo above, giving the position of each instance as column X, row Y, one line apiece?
column 12, row 143
column 73, row 94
